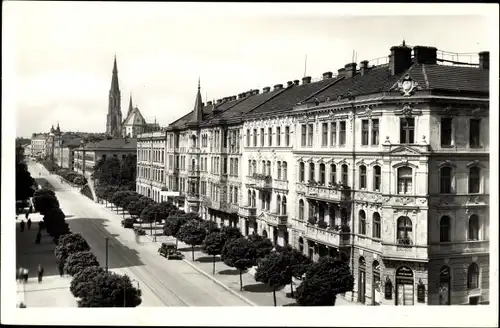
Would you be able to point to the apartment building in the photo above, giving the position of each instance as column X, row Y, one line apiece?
column 151, row 165
column 385, row 166
column 38, row 145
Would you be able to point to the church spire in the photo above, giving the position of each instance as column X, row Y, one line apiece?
column 114, row 80
column 198, row 106
column 130, row 108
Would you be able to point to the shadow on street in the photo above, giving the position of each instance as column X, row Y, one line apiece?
column 208, row 259
column 231, row 272
column 259, row 288
column 44, row 183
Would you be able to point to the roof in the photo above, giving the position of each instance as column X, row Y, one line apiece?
column 71, row 143
column 134, row 118
column 114, row 144
column 39, row 137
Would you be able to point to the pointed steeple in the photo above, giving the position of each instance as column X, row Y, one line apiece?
column 198, row 106
column 114, row 79
column 58, row 129
column 130, row 108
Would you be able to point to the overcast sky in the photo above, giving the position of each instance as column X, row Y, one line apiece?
column 64, row 52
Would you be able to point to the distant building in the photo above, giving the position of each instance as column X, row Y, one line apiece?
column 38, row 145
column 68, row 148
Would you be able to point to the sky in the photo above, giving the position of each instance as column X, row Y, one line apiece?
column 62, row 52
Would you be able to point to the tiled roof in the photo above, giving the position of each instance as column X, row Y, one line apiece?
column 129, row 144
column 452, row 78
column 71, row 143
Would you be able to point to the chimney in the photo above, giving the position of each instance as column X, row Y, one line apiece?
column 350, row 70
column 484, row 60
column 363, row 67
column 266, row 89
column 400, row 59
column 327, row 75
column 289, row 83
column 248, row 93
column 306, row 79
column 234, row 98
column 341, row 72
column 255, row 92
column 296, row 82
column 219, row 101
column 241, row 95
column 425, row 55
column 278, row 87
column 209, row 103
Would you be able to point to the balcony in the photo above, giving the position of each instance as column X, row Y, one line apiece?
column 322, row 235
column 193, row 150
column 229, row 208
column 276, row 219
column 194, row 171
column 461, row 248
column 247, row 211
column 193, row 197
column 280, row 184
column 260, row 181
column 328, row 193
column 404, row 251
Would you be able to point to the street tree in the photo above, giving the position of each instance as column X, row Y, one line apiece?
column 275, row 271
column 173, row 225
column 239, row 254
column 323, row 281
column 263, row 246
column 300, row 263
column 128, row 170
column 78, row 261
column 213, row 244
column 82, row 278
column 154, row 213
column 231, row 233
column 108, row 172
column 209, row 226
column 118, row 197
column 126, row 201
column 70, row 244
column 55, row 223
column 25, row 184
column 192, row 233
column 110, row 192
column 108, row 289
column 139, row 206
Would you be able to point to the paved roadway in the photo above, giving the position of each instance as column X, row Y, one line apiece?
column 162, row 282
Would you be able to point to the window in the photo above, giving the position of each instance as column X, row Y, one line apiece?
column 446, row 131
column 268, row 166
column 278, row 204
column 324, row 136
column 255, row 137
column 302, row 172
column 310, row 135
column 322, row 173
column 249, row 200
column 279, row 170
column 262, row 137
column 444, row 229
column 333, row 133
column 301, row 210
column 287, row 136
column 362, row 223
column 270, row 137
column 248, row 138
column 377, row 177
column 445, row 180
column 283, row 206
column 377, row 225
column 303, row 130
column 404, row 180
column 473, row 276
column 284, row 171
column 474, row 133
column 333, row 173
column 311, row 171
column 407, row 130
column 278, row 136
column 250, row 167
column 365, row 130
column 375, row 132
column 263, row 167
column 342, row 133
column 474, row 180
column 345, row 174
column 404, row 230
column 473, row 228
column 362, row 177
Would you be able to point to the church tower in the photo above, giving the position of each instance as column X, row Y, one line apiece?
column 114, row 118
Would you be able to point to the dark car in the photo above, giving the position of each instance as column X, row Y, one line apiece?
column 128, row 223
column 169, row 250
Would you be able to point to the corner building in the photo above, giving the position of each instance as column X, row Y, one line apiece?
column 386, row 167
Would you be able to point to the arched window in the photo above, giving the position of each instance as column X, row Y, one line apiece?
column 474, row 180
column 278, row 204
column 445, row 180
column 301, row 245
column 444, row 285
column 362, row 280
column 404, row 230
column 377, row 225
column 377, row 178
column 333, row 174
column 268, row 202
column 473, row 276
column 263, row 168
column 444, row 229
column 404, row 180
column 302, row 172
column 311, row 172
column 362, row 223
column 269, row 168
column 279, row 171
column 322, row 173
column 301, row 210
column 253, row 199
column 362, row 177
column 284, row 171
column 283, row 206
column 254, row 169
column 473, row 229
column 345, row 173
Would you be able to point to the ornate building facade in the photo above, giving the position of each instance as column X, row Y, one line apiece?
column 385, row 166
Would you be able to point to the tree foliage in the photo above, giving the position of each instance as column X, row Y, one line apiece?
column 154, row 212
column 214, row 243
column 25, row 184
column 209, row 226
column 108, row 171
column 275, row 270
column 55, row 223
column 128, row 170
column 70, row 244
column 300, row 263
column 231, row 233
column 78, row 261
column 173, row 225
column 324, row 280
column 44, row 200
column 131, row 198
column 82, row 278
column 135, row 209
column 192, row 233
column 108, row 289
column 239, row 254
column 263, row 246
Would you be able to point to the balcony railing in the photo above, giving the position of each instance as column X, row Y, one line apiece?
column 260, row 181
column 280, row 184
column 247, row 211
column 194, row 171
column 193, row 150
column 276, row 219
column 338, row 194
column 468, row 247
column 404, row 251
column 323, row 235
column 193, row 197
column 229, row 208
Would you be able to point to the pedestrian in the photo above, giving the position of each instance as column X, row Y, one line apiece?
column 25, row 275
column 20, row 273
column 61, row 268
column 22, row 225
column 27, row 214
column 38, row 237
column 31, row 208
column 29, row 223
column 40, row 273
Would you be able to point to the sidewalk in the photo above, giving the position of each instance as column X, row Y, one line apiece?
column 255, row 292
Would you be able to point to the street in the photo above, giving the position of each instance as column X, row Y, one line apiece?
column 162, row 282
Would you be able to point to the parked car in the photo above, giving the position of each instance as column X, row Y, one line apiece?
column 169, row 250
column 128, row 223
